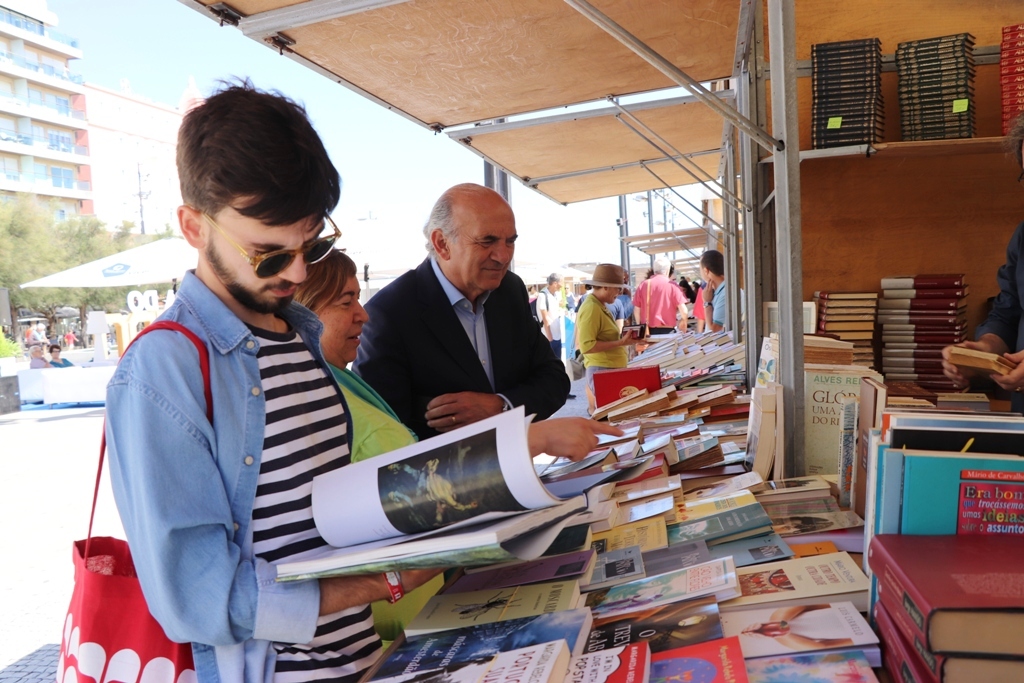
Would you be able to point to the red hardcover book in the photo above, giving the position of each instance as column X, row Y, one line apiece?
column 920, row 305
column 847, row 295
column 626, row 664
column 1009, row 31
column 611, row 385
column 923, row 281
column 729, row 411
column 912, row 346
column 901, row 661
column 657, row 468
column 713, row 661
column 918, row 365
column 897, row 328
column 911, row 353
column 961, row 593
column 925, row 293
column 930, row 338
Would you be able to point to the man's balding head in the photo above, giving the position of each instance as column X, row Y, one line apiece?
column 471, row 233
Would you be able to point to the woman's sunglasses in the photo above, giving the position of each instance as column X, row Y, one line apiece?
column 273, row 262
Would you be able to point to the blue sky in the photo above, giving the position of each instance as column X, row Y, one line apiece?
column 392, row 169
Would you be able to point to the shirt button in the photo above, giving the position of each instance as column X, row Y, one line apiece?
column 255, row 391
column 235, row 525
column 250, row 344
column 248, row 460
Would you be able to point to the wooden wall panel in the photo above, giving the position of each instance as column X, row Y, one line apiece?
column 864, row 219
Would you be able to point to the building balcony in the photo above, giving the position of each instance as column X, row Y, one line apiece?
column 44, row 148
column 45, row 185
column 60, row 79
column 34, row 32
column 40, row 111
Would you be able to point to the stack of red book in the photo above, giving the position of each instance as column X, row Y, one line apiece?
column 919, row 316
column 1011, row 73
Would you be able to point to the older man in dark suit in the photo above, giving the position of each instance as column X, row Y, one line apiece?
column 453, row 341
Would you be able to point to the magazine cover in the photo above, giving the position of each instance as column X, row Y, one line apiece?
column 668, row 627
column 716, row 661
column 470, row 475
column 766, row 632
column 717, row 578
column 483, row 641
column 848, row 667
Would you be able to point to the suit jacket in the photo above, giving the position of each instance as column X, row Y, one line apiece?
column 414, row 348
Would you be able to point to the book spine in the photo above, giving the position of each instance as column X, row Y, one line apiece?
column 921, row 304
column 923, row 293
column 847, row 448
column 902, row 661
column 907, row 605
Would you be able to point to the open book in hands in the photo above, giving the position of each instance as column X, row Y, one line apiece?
column 992, row 363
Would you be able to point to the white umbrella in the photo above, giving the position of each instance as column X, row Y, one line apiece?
column 153, row 263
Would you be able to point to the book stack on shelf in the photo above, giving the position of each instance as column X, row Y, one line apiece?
column 936, row 87
column 846, row 93
column 1011, row 73
column 920, row 315
column 693, row 359
column 849, row 316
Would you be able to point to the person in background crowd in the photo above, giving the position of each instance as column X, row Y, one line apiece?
column 39, row 335
column 453, row 342
column 698, row 308
column 601, row 341
column 37, row 361
column 55, row 359
column 713, row 296
column 70, row 339
column 1002, row 332
column 659, row 301
column 691, row 296
column 622, row 308
column 550, row 311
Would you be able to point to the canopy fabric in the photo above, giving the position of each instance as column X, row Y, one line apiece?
column 153, row 263
column 446, row 63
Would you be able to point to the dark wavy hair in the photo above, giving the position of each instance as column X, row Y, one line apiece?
column 257, row 152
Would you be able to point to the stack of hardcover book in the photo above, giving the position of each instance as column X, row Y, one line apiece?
column 1011, row 72
column 936, row 87
column 850, row 316
column 846, row 88
column 919, row 316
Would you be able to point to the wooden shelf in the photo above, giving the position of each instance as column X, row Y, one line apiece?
column 914, row 148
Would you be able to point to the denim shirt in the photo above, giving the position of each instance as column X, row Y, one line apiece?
column 185, row 488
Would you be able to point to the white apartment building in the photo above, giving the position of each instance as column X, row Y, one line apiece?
column 132, row 141
column 44, row 145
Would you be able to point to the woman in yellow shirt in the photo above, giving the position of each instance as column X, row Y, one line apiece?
column 602, row 343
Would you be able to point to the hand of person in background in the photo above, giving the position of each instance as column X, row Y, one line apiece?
column 1014, row 381
column 567, row 437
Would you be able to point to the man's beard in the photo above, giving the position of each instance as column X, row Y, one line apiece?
column 242, row 295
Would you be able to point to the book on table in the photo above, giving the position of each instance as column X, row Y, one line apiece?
column 831, row 627
column 801, row 581
column 614, row 567
column 992, row 363
column 959, row 592
column 717, row 578
column 849, row 667
column 713, row 661
column 724, row 526
column 753, row 550
column 467, row 497
column 564, row 566
column 666, row 627
column 625, row 664
column 446, row 611
column 484, row 641
column 541, row 663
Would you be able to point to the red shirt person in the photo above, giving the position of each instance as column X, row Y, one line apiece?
column 659, row 301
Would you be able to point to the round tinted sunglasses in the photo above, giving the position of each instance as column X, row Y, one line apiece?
column 273, row 262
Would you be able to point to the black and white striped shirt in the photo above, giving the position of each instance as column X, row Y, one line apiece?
column 305, row 435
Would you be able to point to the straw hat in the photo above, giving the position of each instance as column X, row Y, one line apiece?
column 607, row 275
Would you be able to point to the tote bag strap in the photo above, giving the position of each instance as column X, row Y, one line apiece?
column 204, row 365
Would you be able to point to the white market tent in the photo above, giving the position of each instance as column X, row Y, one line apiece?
column 157, row 262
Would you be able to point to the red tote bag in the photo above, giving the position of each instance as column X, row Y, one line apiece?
column 109, row 635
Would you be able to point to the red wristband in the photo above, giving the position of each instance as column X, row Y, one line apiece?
column 394, row 582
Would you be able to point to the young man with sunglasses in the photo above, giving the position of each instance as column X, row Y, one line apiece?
column 208, row 507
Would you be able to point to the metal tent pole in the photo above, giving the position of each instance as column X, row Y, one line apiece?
column 782, row 51
column 732, row 260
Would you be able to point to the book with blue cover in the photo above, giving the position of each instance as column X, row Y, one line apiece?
column 483, row 641
column 754, row 550
column 728, row 525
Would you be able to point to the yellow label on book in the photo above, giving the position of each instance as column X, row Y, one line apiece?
column 835, row 122
column 959, row 106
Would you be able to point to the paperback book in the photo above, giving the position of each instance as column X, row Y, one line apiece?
column 715, row 661
column 717, row 578
column 849, row 667
column 614, row 567
column 626, row 664
column 801, row 581
column 677, row 624
column 543, row 663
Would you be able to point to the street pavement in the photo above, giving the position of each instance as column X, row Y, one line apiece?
column 49, row 458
